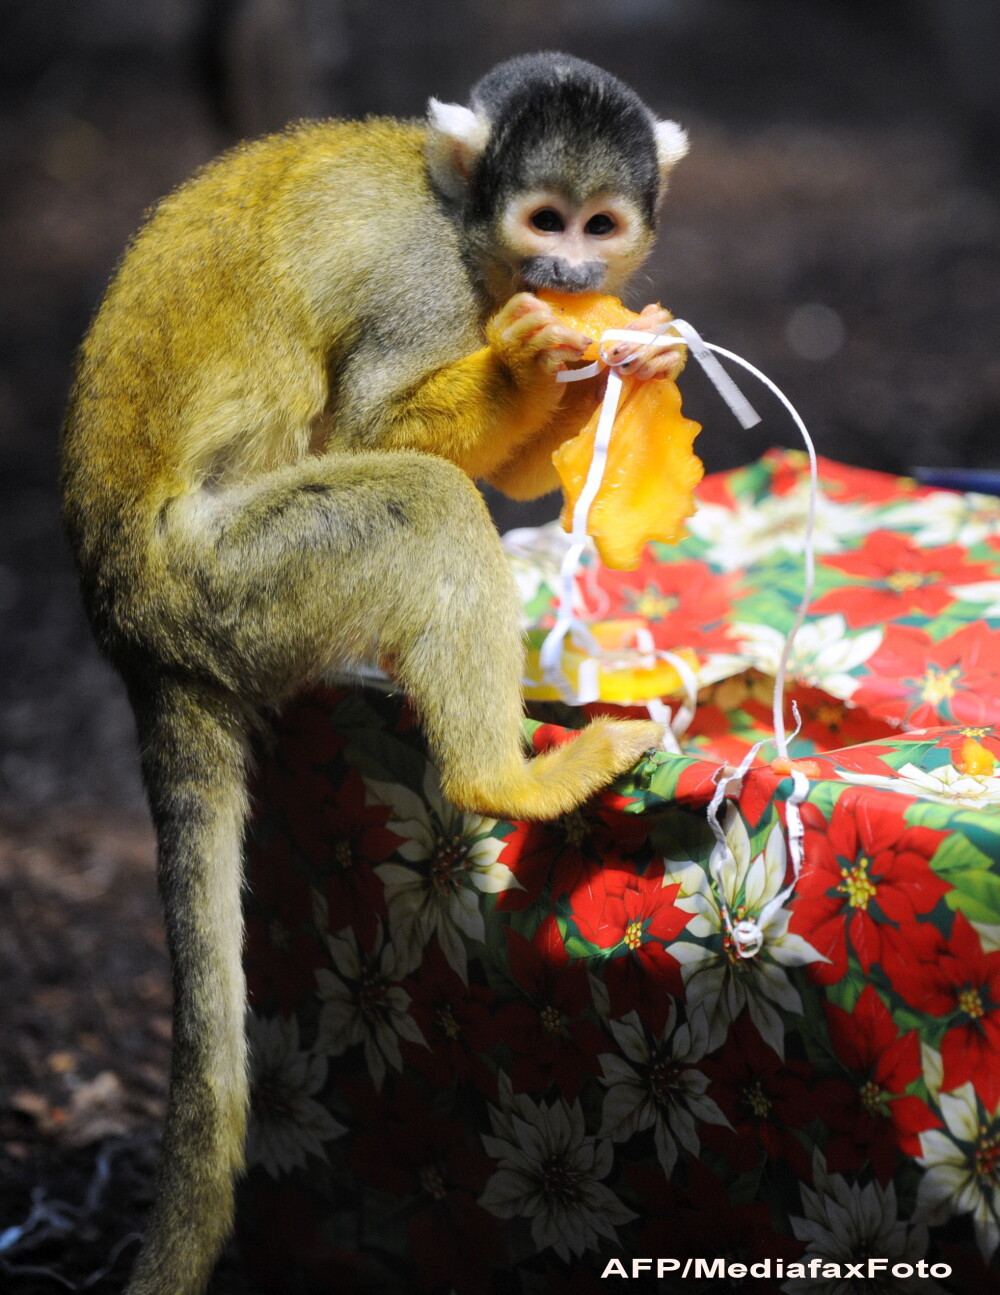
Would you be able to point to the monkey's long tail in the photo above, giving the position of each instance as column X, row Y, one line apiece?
column 194, row 757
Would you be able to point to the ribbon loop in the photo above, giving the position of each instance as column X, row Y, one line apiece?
column 674, row 333
column 748, row 933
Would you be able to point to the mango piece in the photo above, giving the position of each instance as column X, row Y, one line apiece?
column 617, row 675
column 590, row 313
column 651, row 472
column 974, row 759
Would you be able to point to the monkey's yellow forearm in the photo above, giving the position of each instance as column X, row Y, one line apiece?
column 528, row 471
column 475, row 413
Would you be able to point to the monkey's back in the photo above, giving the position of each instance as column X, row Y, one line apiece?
column 212, row 354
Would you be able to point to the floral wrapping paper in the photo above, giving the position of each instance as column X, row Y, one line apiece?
column 493, row 1057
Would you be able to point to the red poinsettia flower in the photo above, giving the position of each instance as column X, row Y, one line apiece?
column 867, row 882
column 305, row 731
column 567, row 848
column 616, row 908
column 288, row 786
column 705, row 1222
column 281, row 946
column 711, row 734
column 696, row 784
column 874, row 1118
column 687, row 604
column 293, row 765
column 351, row 839
column 960, row 983
column 864, row 759
column 716, row 488
column 788, row 469
column 404, row 1149
column 548, row 1034
column 281, row 1242
column 953, row 680
column 456, row 1021
column 757, row 794
column 843, row 483
column 764, row 1098
column 827, row 722
column 953, row 741
column 895, row 577
column 632, row 918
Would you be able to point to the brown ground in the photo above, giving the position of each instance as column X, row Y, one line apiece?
column 86, row 1002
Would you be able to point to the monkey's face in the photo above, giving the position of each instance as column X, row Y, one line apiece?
column 552, row 241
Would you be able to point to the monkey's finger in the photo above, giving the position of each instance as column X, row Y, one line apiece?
column 555, row 348
column 650, row 319
column 656, row 362
column 652, row 316
column 522, row 303
column 520, row 314
column 557, row 337
column 622, row 353
column 537, row 324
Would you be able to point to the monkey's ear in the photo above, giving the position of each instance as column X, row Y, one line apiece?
column 456, row 139
column 671, row 145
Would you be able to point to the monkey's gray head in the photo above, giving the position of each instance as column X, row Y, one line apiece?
column 555, row 170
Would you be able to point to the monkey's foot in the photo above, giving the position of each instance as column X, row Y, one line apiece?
column 558, row 780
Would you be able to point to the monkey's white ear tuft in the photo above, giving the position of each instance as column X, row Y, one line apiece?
column 671, row 145
column 459, row 123
column 456, row 139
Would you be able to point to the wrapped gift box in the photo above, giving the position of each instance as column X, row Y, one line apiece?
column 494, row 1056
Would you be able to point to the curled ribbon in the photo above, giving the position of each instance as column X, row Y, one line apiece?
column 677, row 332
column 747, row 934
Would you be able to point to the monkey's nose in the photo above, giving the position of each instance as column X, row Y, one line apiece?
column 562, row 275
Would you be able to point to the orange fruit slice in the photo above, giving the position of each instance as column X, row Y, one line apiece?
column 651, row 472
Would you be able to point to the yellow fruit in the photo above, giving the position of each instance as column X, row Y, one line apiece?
column 650, row 475
column 974, row 758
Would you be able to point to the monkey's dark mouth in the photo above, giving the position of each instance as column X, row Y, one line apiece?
column 559, row 275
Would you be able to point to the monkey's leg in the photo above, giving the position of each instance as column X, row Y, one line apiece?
column 332, row 561
column 193, row 764
column 394, row 556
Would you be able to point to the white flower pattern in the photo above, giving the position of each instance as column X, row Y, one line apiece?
column 825, row 654
column 653, row 1084
column 717, row 980
column 550, row 1172
column 845, row 1223
column 364, row 1003
column 753, row 529
column 458, row 861
column 947, row 517
column 961, row 1163
column 286, row 1123
column 946, row 784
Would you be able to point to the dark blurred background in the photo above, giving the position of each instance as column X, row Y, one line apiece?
column 836, row 222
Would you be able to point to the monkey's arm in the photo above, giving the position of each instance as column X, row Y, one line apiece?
column 529, row 472
column 477, row 411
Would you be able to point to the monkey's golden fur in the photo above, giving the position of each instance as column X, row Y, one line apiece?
column 267, row 464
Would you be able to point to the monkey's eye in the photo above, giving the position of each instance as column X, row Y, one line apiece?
column 601, row 224
column 548, row 221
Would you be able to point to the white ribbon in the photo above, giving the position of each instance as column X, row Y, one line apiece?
column 676, row 332
column 747, row 935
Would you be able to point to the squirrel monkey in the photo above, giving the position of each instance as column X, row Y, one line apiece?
column 306, row 354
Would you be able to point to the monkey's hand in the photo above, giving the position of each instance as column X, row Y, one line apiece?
column 647, row 361
column 532, row 342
